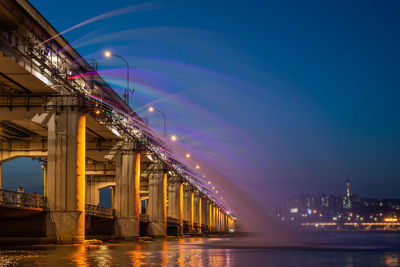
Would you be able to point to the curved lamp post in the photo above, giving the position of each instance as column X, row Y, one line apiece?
column 108, row 54
column 152, row 109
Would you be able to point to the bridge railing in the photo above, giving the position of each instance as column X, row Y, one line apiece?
column 10, row 198
column 99, row 211
column 172, row 220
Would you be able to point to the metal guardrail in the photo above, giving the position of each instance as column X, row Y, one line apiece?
column 99, row 211
column 10, row 198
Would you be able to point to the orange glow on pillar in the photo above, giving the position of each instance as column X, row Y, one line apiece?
column 181, row 207
column 164, row 189
column 80, row 178
column 192, row 209
column 214, row 221
column 137, row 193
column 200, row 214
column 210, row 218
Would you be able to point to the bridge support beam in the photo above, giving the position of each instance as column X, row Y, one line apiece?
column 65, row 183
column 127, row 194
column 175, row 201
column 210, row 215
column 196, row 210
column 219, row 219
column 214, row 218
column 188, row 206
column 203, row 212
column 158, row 203
column 206, row 214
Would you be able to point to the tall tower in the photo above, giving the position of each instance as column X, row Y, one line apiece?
column 348, row 187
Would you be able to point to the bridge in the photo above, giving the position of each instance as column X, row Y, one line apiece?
column 55, row 107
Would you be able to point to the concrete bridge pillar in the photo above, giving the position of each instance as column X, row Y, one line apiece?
column 65, row 183
column 210, row 217
column 127, row 193
column 188, row 206
column 158, row 202
column 199, row 220
column 206, row 213
column 223, row 222
column 196, row 209
column 209, row 214
column 214, row 218
column 217, row 219
column 175, row 200
column 203, row 211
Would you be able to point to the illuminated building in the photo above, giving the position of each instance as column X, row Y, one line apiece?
column 347, row 199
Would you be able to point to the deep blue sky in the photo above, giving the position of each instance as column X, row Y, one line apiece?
column 287, row 96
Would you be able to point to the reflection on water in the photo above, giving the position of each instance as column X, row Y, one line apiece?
column 193, row 252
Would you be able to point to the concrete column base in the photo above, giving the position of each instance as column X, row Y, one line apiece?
column 158, row 229
column 127, row 229
column 63, row 226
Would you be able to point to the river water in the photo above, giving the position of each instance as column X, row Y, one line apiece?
column 382, row 250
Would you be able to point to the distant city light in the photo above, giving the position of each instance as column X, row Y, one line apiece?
column 294, row 210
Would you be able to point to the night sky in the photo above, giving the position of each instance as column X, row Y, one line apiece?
column 281, row 97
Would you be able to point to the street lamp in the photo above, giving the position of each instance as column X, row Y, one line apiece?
column 152, row 109
column 108, row 54
column 173, row 138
